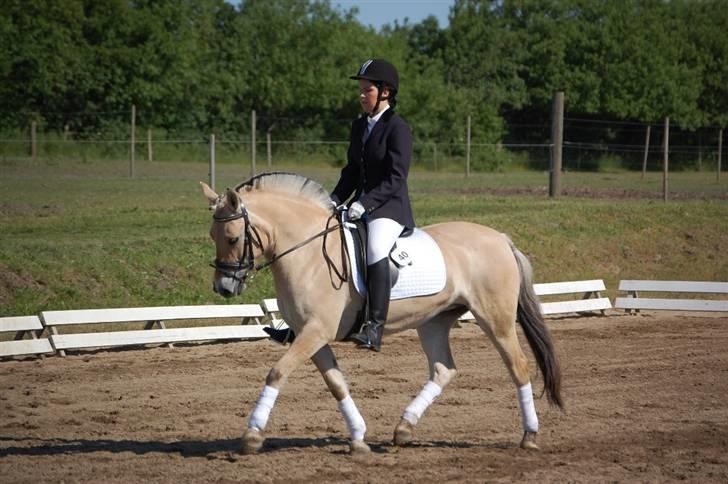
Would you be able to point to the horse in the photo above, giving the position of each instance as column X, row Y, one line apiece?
column 288, row 220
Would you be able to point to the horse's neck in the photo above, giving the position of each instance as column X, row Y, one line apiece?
column 302, row 273
column 287, row 221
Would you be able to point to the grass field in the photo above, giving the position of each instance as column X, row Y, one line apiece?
column 85, row 235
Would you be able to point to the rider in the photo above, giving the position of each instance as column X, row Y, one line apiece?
column 380, row 148
column 379, row 155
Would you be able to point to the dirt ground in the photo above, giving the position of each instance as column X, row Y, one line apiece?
column 645, row 395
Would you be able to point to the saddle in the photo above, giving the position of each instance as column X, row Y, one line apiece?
column 416, row 263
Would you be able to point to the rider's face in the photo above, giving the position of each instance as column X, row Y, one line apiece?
column 368, row 96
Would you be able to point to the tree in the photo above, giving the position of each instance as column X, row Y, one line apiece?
column 708, row 22
column 483, row 54
column 40, row 58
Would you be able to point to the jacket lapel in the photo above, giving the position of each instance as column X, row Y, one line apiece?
column 377, row 127
column 363, row 127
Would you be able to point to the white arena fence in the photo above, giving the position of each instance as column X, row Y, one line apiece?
column 246, row 321
column 669, row 301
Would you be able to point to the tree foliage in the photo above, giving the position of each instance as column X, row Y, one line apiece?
column 202, row 65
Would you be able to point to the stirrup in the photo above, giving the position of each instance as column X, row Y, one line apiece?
column 369, row 337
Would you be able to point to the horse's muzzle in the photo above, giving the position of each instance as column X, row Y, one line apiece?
column 230, row 277
column 227, row 286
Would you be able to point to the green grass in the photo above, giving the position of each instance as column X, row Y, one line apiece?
column 84, row 235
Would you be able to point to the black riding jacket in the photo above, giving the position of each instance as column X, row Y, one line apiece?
column 377, row 169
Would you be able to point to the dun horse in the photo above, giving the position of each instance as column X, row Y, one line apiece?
column 270, row 214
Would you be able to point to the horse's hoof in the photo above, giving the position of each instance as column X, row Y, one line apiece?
column 403, row 432
column 529, row 441
column 251, row 442
column 359, row 448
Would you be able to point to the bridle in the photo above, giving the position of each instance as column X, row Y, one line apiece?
column 239, row 270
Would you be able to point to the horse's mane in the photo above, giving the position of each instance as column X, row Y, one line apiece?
column 289, row 183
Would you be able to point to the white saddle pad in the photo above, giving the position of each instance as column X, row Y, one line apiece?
column 424, row 276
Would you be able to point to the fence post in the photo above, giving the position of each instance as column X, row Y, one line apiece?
column 212, row 161
column 647, row 149
column 666, row 158
column 149, row 145
column 720, row 151
column 434, row 154
column 133, row 134
column 700, row 151
column 467, row 151
column 252, row 143
column 33, row 140
column 557, row 141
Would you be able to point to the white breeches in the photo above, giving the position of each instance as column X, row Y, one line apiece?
column 382, row 234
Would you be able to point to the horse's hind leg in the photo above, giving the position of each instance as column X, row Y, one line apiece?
column 325, row 361
column 500, row 325
column 434, row 337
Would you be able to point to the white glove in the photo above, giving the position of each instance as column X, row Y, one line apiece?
column 338, row 208
column 356, row 210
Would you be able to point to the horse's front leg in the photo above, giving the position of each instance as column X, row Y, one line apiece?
column 325, row 361
column 306, row 344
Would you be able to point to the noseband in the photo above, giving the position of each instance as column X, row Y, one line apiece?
column 239, row 270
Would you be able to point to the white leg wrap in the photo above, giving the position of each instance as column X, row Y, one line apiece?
column 259, row 417
column 528, row 409
column 414, row 411
column 354, row 420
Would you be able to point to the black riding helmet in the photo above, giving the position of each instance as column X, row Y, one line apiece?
column 380, row 73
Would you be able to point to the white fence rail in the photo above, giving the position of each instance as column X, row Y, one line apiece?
column 634, row 302
column 584, row 297
column 22, row 326
column 152, row 316
column 589, row 291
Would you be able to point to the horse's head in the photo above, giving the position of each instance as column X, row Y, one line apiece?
column 287, row 207
column 235, row 239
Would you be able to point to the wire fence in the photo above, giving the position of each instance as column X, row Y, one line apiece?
column 589, row 145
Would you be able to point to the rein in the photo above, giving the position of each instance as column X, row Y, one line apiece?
column 301, row 244
column 239, row 271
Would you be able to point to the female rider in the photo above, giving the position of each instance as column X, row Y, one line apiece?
column 379, row 155
column 380, row 148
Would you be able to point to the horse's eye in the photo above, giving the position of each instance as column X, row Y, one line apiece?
column 234, row 241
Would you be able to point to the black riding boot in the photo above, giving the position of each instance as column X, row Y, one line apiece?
column 379, row 287
column 281, row 336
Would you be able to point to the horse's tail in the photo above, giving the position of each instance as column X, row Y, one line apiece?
column 537, row 334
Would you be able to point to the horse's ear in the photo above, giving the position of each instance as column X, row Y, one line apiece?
column 233, row 200
column 209, row 194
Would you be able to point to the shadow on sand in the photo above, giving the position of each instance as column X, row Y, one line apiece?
column 210, row 449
